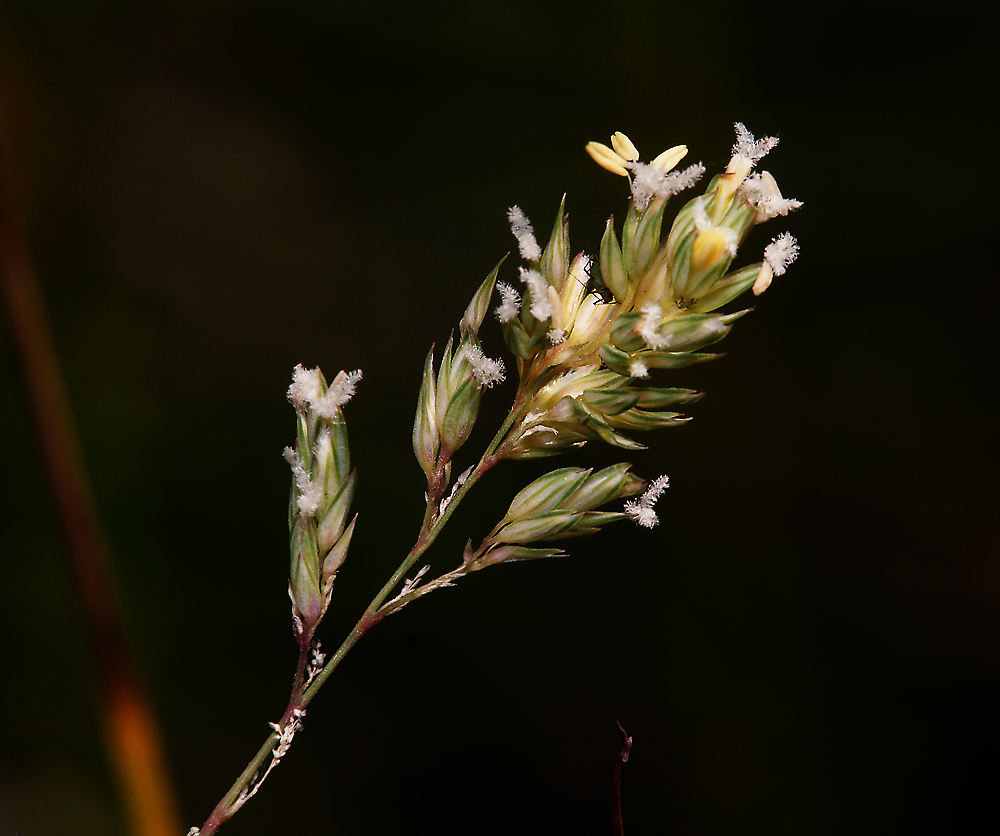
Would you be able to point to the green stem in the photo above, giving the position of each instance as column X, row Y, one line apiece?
column 429, row 530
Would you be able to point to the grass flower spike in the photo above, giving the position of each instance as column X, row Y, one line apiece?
column 648, row 300
column 587, row 332
column 321, row 494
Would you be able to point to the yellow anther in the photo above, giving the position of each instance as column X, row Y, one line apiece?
column 623, row 147
column 669, row 158
column 763, row 279
column 708, row 249
column 607, row 158
column 736, row 172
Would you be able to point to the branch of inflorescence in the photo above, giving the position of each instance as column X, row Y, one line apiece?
column 303, row 691
column 580, row 365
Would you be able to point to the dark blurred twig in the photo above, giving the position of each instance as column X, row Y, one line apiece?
column 617, row 827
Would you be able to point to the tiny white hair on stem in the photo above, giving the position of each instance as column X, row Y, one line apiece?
column 316, row 663
column 541, row 308
column 641, row 509
column 463, row 477
column 556, row 336
column 510, row 302
column 287, row 734
column 409, row 584
column 285, row 737
column 781, row 252
column 525, row 235
column 486, row 370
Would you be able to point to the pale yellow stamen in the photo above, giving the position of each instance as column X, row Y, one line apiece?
column 573, row 383
column 669, row 158
column 763, row 279
column 574, row 288
column 591, row 317
column 623, row 147
column 653, row 284
column 607, row 158
column 558, row 315
column 707, row 249
column 736, row 172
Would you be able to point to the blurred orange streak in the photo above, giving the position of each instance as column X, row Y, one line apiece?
column 130, row 725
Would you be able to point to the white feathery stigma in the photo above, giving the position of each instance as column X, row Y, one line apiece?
column 781, row 252
column 652, row 316
column 649, row 181
column 748, row 147
column 641, row 509
column 342, row 389
column 638, row 368
column 510, row 302
column 486, row 370
column 310, row 492
column 763, row 192
column 541, row 308
column 747, row 151
column 525, row 235
column 305, row 387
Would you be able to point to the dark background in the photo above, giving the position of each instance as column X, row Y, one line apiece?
column 216, row 191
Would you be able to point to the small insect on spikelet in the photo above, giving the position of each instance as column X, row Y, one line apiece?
column 595, row 282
